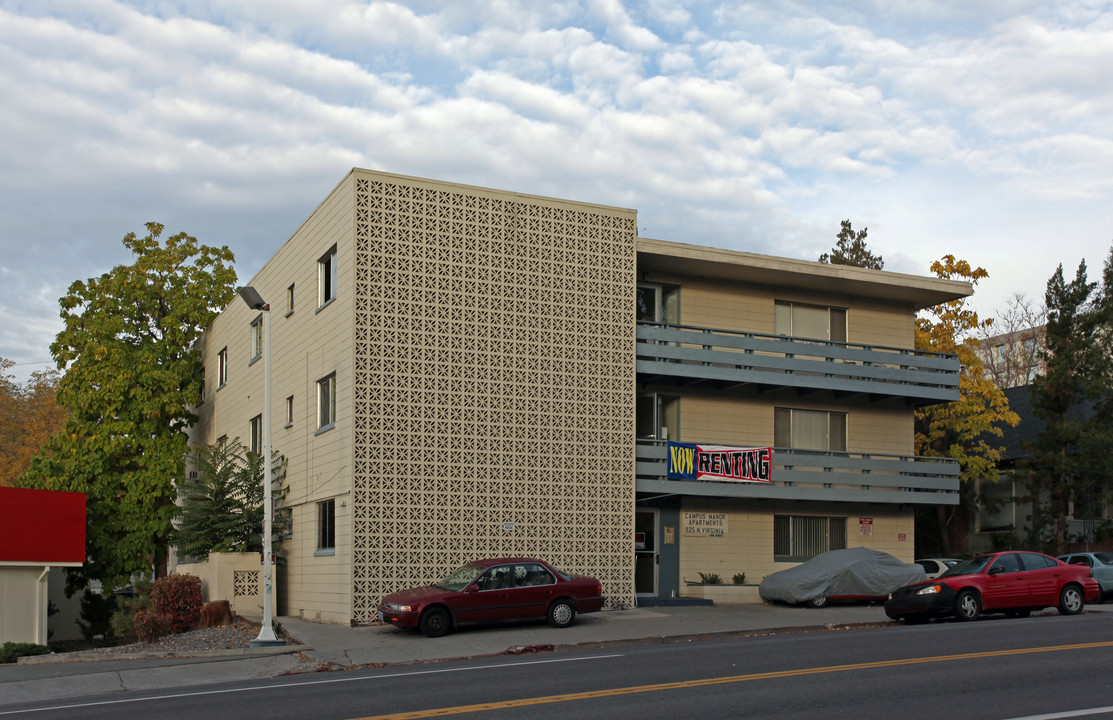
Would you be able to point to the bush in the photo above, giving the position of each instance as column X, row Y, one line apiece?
column 123, row 620
column 739, row 578
column 96, row 616
column 177, row 598
column 150, row 626
column 710, row 578
column 11, row 651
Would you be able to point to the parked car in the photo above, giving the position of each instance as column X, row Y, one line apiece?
column 859, row 574
column 492, row 590
column 934, row 567
column 1101, row 567
column 1015, row 583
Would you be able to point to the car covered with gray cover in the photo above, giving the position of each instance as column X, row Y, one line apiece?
column 859, row 573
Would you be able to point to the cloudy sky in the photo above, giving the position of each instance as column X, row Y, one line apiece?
column 980, row 128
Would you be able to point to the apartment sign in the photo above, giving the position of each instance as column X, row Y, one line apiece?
column 720, row 463
column 704, row 523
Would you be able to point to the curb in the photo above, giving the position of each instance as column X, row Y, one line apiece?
column 94, row 656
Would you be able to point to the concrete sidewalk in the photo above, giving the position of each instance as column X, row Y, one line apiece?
column 336, row 647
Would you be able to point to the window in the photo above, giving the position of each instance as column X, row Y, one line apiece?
column 257, row 435
column 658, row 417
column 290, row 300
column 289, row 411
column 809, row 321
column 326, row 525
column 797, row 538
column 201, row 399
column 257, row 338
column 221, row 368
column 326, row 278
column 809, row 429
column 996, row 507
column 658, row 303
column 326, row 402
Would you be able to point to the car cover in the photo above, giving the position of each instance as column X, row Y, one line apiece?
column 854, row 572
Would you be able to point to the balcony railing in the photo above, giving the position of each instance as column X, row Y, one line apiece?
column 817, row 475
column 682, row 355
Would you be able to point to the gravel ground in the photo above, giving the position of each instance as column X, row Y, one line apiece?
column 228, row 637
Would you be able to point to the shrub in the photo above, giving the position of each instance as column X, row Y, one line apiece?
column 96, row 616
column 739, row 578
column 12, row 651
column 150, row 626
column 710, row 578
column 178, row 599
column 123, row 620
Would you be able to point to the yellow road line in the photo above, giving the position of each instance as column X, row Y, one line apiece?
column 524, row 702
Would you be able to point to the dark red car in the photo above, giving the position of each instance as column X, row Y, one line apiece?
column 1015, row 583
column 490, row 590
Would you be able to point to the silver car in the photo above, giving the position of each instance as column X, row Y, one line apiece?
column 1100, row 564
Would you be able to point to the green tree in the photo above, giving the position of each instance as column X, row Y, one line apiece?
column 132, row 374
column 29, row 415
column 851, row 250
column 1074, row 398
column 222, row 500
column 962, row 430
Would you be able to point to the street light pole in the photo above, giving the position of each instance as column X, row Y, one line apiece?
column 266, row 636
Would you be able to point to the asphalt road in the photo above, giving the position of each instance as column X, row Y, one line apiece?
column 1038, row 667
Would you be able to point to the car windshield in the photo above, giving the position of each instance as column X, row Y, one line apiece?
column 969, row 567
column 460, row 578
column 1106, row 558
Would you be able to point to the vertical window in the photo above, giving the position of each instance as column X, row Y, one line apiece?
column 658, row 303
column 326, row 402
column 797, row 538
column 289, row 411
column 809, row 429
column 257, row 435
column 290, row 300
column 658, row 417
column 221, row 368
column 326, row 277
column 326, row 525
column 257, row 338
column 201, row 399
column 809, row 321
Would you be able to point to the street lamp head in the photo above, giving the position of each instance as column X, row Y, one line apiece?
column 252, row 297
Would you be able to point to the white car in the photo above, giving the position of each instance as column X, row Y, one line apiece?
column 934, row 567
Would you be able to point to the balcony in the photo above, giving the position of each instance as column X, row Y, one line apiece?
column 817, row 475
column 677, row 355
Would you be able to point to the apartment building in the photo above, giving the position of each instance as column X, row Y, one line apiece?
column 461, row 372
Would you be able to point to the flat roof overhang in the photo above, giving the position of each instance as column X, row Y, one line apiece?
column 741, row 267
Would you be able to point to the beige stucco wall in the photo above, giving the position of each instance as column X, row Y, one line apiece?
column 307, row 345
column 747, row 545
column 749, row 308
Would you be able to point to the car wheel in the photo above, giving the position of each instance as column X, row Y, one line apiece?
column 818, row 602
column 435, row 622
column 561, row 613
column 967, row 605
column 1071, row 600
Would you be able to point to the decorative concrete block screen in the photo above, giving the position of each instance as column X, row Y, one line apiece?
column 494, row 382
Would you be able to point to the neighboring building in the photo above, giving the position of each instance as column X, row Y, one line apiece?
column 39, row 530
column 462, row 372
column 1014, row 359
column 1002, row 519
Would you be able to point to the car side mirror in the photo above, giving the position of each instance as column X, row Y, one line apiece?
column 471, row 588
column 997, row 570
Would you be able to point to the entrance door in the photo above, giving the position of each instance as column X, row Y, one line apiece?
column 645, row 552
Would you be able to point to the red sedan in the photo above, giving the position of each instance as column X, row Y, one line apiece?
column 1015, row 583
column 490, row 590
